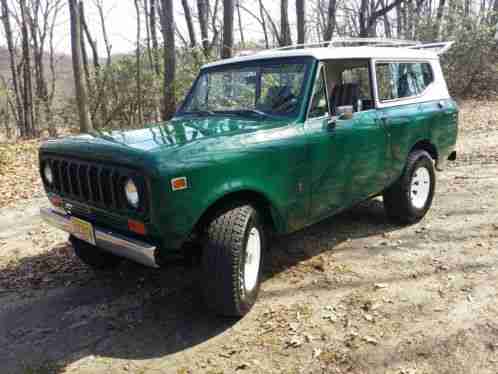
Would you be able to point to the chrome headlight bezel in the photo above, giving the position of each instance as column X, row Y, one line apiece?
column 48, row 174
column 132, row 193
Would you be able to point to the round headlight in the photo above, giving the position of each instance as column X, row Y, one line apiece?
column 131, row 192
column 47, row 173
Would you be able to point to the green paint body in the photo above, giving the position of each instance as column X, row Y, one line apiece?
column 305, row 169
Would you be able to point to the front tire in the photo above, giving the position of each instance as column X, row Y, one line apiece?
column 93, row 256
column 408, row 200
column 232, row 260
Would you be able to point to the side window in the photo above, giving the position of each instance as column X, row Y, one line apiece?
column 361, row 76
column 319, row 102
column 400, row 80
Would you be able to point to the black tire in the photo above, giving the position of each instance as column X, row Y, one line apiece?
column 93, row 256
column 224, row 258
column 398, row 199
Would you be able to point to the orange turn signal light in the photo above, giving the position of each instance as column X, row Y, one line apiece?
column 136, row 227
column 178, row 184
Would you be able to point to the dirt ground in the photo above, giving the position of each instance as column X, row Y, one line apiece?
column 353, row 294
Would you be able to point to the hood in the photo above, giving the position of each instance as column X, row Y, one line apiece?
column 135, row 147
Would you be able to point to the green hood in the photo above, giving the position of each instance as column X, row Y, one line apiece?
column 175, row 141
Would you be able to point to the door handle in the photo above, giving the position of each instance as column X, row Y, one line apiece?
column 331, row 123
column 440, row 104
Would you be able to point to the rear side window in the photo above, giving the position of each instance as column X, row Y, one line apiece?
column 396, row 80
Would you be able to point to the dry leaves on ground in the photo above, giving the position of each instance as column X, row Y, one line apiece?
column 19, row 178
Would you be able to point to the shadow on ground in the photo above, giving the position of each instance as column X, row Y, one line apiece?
column 138, row 313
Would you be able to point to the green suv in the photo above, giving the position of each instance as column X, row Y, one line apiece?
column 262, row 144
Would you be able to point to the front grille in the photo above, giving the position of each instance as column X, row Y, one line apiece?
column 97, row 184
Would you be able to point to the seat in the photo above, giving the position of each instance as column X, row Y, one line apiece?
column 344, row 94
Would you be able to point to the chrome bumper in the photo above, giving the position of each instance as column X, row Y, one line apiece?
column 106, row 240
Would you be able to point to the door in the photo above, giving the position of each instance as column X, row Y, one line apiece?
column 329, row 164
column 347, row 155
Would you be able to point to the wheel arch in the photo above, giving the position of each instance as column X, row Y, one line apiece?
column 428, row 146
column 255, row 198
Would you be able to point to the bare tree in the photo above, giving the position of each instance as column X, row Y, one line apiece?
column 138, row 67
column 79, row 82
column 168, row 30
column 300, row 17
column 285, row 33
column 331, row 20
column 259, row 18
column 439, row 17
column 228, row 11
column 29, row 130
column 19, row 113
column 91, row 41
column 203, row 11
column 108, row 46
column 241, row 27
column 370, row 13
column 263, row 23
column 190, row 23
column 153, row 35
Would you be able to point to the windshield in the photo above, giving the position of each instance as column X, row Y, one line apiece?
column 271, row 89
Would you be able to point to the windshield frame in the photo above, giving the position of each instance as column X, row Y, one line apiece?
column 308, row 61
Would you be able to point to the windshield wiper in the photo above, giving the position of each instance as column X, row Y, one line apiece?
column 245, row 112
column 201, row 113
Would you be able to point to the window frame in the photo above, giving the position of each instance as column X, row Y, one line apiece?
column 321, row 70
column 401, row 100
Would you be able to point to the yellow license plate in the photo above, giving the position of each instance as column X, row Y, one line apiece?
column 83, row 230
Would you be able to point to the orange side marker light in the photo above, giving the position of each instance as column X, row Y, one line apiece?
column 136, row 227
column 178, row 184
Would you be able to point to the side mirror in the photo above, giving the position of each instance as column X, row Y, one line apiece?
column 345, row 112
column 331, row 123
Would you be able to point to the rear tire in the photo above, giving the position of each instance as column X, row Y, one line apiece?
column 93, row 256
column 232, row 259
column 408, row 200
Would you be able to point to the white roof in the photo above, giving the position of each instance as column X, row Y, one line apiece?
column 324, row 53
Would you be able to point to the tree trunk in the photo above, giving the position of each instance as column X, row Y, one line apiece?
column 439, row 17
column 368, row 20
column 241, row 29
column 91, row 41
column 203, row 9
column 28, row 85
column 79, row 82
column 153, row 35
column 190, row 23
column 399, row 22
column 263, row 23
column 494, row 17
column 363, row 19
column 168, row 30
column 300, row 18
column 331, row 20
column 227, row 47
column 84, row 55
column 52, row 129
column 139, row 64
column 108, row 46
column 13, row 64
column 285, row 33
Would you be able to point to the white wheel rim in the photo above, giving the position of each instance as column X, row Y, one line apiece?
column 253, row 257
column 420, row 187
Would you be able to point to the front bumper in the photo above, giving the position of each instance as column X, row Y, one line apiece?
column 106, row 240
